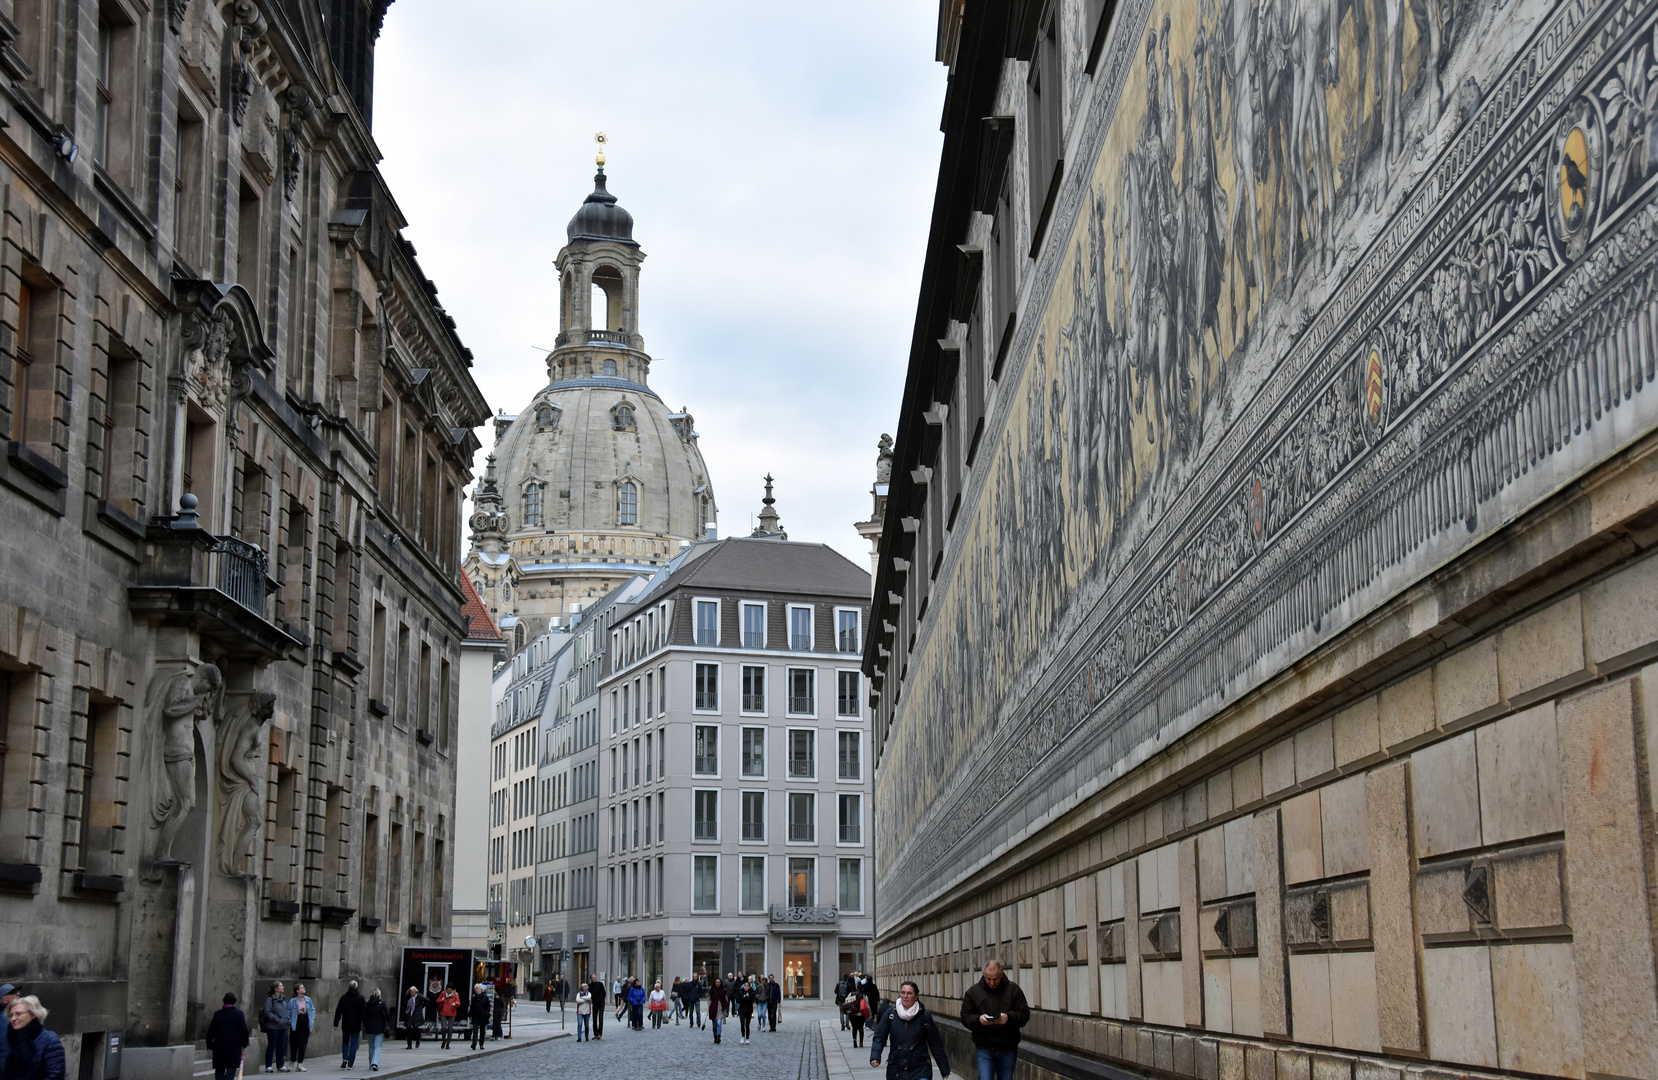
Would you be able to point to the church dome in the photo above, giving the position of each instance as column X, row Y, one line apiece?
column 600, row 217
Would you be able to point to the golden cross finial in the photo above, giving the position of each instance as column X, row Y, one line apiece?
column 600, row 139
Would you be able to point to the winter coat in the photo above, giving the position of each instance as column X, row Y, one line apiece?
column 774, row 993
column 348, row 1014
column 909, row 1041
column 273, row 1015
column 743, row 999
column 690, row 992
column 293, row 1013
column 843, row 988
column 376, row 1017
column 477, row 1010
column 596, row 988
column 981, row 1000
column 413, row 1010
column 449, row 1003
column 636, row 996
column 226, row 1038
column 584, row 1002
column 717, row 1006
column 34, row 1053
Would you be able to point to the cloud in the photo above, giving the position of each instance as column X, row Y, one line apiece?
column 779, row 161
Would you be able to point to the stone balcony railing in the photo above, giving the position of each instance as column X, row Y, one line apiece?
column 817, row 915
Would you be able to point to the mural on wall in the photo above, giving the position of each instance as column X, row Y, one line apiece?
column 1351, row 284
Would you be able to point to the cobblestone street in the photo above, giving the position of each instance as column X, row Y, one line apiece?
column 675, row 1051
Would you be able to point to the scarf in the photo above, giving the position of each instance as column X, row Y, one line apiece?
column 913, row 1012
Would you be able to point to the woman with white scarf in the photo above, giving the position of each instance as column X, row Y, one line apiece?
column 910, row 1031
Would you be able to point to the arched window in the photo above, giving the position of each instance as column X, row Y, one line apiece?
column 532, row 504
column 627, row 504
column 546, row 417
column 610, row 367
column 621, row 418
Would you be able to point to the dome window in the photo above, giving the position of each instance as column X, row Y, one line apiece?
column 610, row 367
column 547, row 416
column 627, row 503
column 621, row 418
column 532, row 504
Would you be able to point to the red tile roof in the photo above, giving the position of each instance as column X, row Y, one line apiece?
column 479, row 626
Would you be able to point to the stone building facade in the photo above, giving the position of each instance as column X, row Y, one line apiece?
column 1264, row 614
column 734, row 820
column 599, row 480
column 238, row 428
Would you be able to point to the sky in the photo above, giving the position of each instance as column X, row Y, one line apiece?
column 779, row 161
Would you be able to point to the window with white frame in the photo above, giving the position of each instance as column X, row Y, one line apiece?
column 802, row 754
column 800, row 629
column 627, row 503
column 754, row 752
column 802, row 882
column 705, row 883
column 802, row 817
column 754, row 688
column 705, row 814
column 849, row 819
column 754, row 625
column 846, row 631
column 851, row 891
column 706, row 693
column 849, row 755
column 803, row 691
column 753, row 883
column 705, row 756
column 708, row 622
column 846, row 693
column 754, row 816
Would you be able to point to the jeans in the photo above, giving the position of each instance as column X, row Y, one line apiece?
column 480, row 1031
column 348, row 1048
column 276, row 1046
column 742, row 1022
column 374, row 1042
column 997, row 1064
column 636, row 1016
column 679, row 1009
column 598, row 1019
column 718, row 1025
column 581, row 1027
column 693, row 1012
column 760, row 1013
column 446, row 1029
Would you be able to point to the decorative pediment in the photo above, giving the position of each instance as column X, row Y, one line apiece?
column 223, row 342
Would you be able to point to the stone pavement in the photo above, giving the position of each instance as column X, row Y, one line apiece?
column 845, row 1061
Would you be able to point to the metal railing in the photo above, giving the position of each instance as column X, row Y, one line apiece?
column 812, row 915
column 240, row 572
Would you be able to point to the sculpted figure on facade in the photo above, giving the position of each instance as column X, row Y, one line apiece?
column 178, row 701
column 243, row 764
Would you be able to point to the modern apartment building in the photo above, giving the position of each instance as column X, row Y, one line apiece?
column 734, row 829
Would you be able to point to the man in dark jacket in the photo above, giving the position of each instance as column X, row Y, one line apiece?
column 595, row 990
column 843, row 988
column 690, row 992
column 994, row 1010
column 227, row 1039
column 774, row 998
column 348, row 1017
column 477, row 1016
column 911, row 1033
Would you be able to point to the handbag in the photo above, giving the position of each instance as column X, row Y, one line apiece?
column 863, row 1007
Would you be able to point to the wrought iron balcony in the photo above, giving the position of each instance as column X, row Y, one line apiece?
column 816, row 915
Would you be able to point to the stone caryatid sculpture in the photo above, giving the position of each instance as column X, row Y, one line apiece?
column 244, row 757
column 177, row 702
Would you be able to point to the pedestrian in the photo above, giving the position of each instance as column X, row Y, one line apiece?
column 744, row 1004
column 434, row 990
column 448, row 1006
column 584, row 1013
column 32, row 1052
column 867, row 987
column 843, row 988
column 636, row 1005
column 910, row 1032
column 9, row 992
column 377, row 1020
column 273, row 1021
column 774, row 995
column 348, row 1017
column 658, row 1005
column 855, row 1013
column 477, row 1016
column 595, row 990
column 762, row 998
column 716, row 1006
column 302, row 1018
column 993, row 1010
column 618, row 994
column 226, row 1039
column 503, row 1002
column 414, row 1016
column 677, row 999
column 547, row 995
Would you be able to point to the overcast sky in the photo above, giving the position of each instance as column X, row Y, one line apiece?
column 779, row 161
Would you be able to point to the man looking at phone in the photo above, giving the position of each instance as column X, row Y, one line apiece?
column 994, row 1010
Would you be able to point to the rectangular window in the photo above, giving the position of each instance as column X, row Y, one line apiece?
column 848, row 756
column 754, row 689
column 705, row 882
column 705, row 758
column 802, row 817
column 802, row 754
column 754, row 626
column 650, row 697
column 802, row 882
column 851, row 891
column 707, row 695
column 662, row 690
column 800, row 629
column 803, row 691
column 754, row 752
column 708, row 622
column 846, row 632
column 754, row 883
column 846, row 693
column 647, row 758
column 850, row 818
column 754, row 815
column 705, row 814
column 648, row 819
column 661, row 818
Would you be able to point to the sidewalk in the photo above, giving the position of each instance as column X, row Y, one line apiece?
column 847, row 1062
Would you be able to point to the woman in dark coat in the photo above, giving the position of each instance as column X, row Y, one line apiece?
column 477, row 1015
column 717, row 1006
column 377, row 1020
column 910, row 1031
column 744, row 1002
column 32, row 1052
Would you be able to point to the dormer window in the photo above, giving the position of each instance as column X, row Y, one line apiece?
column 621, row 418
column 610, row 367
column 547, row 417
